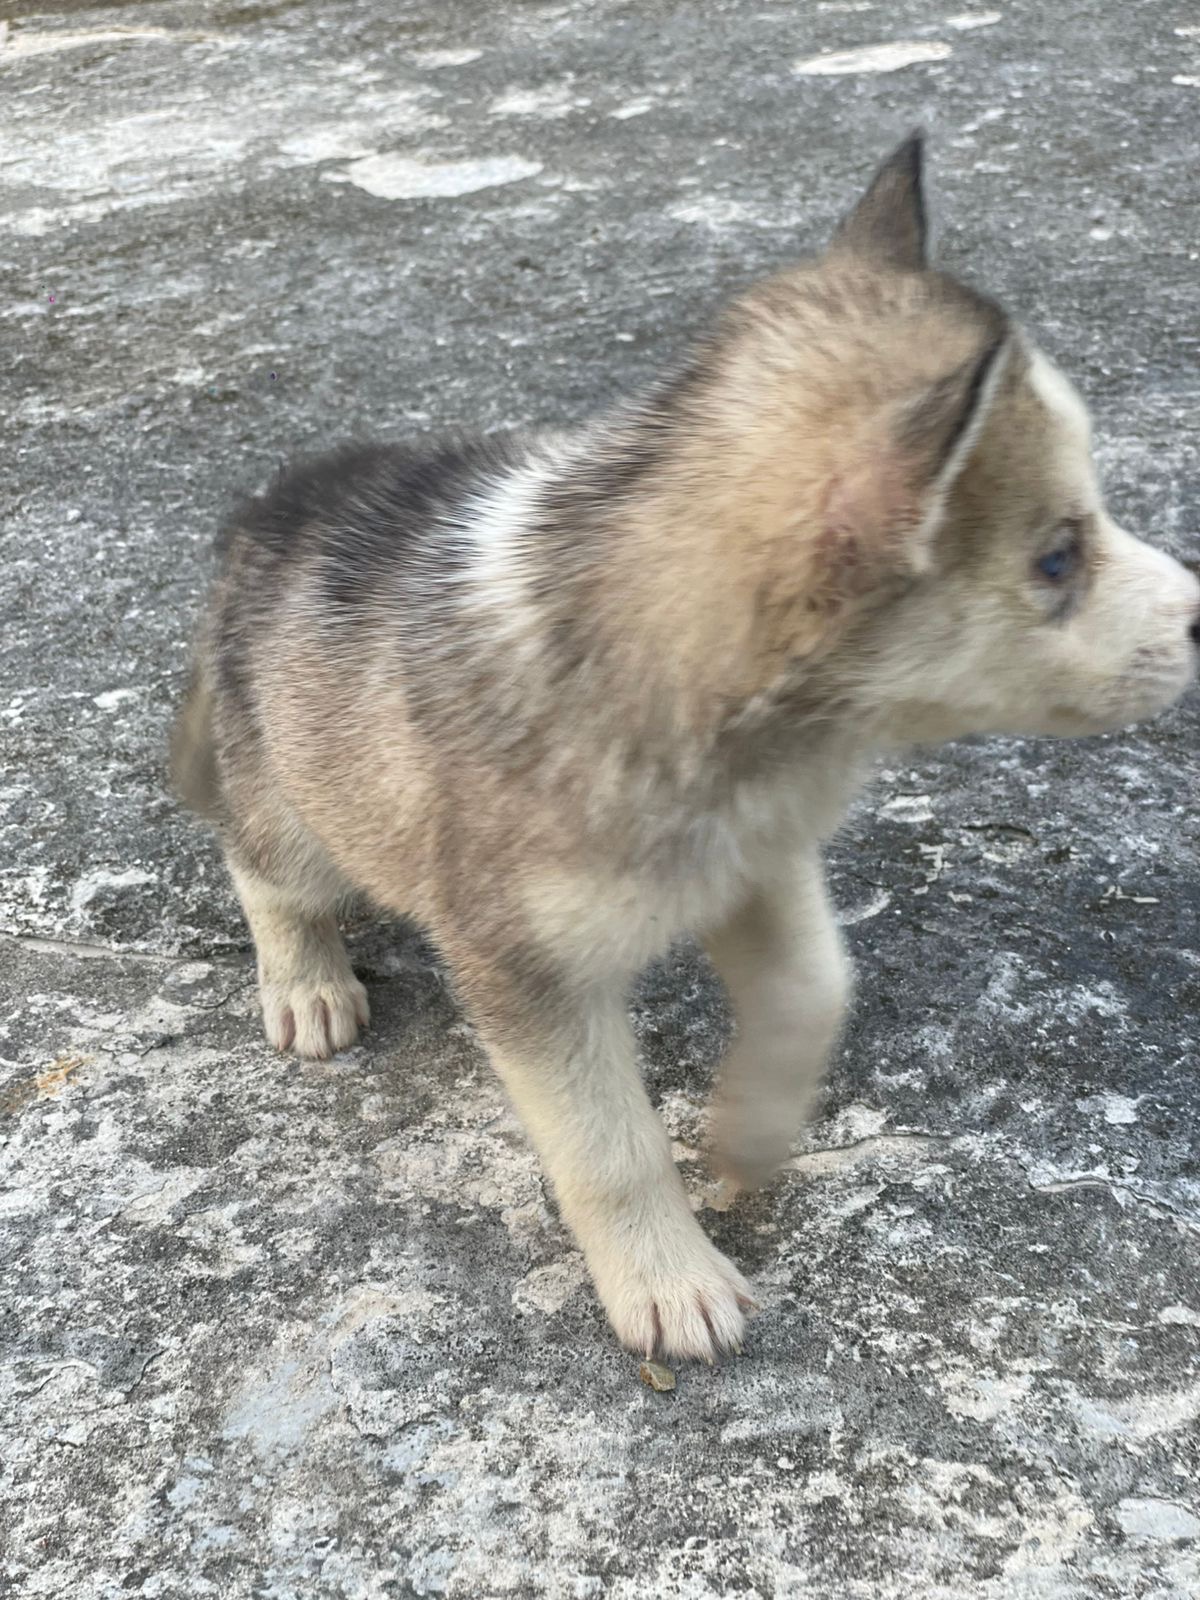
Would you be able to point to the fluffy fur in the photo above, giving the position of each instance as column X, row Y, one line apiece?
column 565, row 698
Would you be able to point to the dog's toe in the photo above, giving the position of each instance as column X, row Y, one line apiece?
column 315, row 1020
column 692, row 1310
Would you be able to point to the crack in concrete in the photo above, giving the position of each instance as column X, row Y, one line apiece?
column 1162, row 1209
column 834, row 1157
column 82, row 950
column 1014, row 828
column 163, row 1040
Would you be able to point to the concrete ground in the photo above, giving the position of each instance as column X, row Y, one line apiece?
column 276, row 1330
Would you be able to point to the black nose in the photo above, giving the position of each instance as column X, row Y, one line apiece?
column 1194, row 630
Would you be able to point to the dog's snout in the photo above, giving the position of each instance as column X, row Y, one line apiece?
column 1194, row 630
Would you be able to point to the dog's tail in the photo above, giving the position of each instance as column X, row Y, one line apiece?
column 194, row 774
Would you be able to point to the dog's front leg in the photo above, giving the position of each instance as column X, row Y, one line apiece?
column 782, row 961
column 564, row 1049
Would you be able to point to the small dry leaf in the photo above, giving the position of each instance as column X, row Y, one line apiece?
column 656, row 1376
column 56, row 1075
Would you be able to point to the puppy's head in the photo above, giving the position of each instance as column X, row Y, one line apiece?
column 928, row 514
column 1040, row 615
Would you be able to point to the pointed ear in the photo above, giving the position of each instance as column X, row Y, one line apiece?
column 889, row 226
column 933, row 434
column 884, row 508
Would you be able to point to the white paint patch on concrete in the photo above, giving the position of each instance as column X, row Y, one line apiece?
column 572, row 185
column 911, row 808
column 37, row 221
column 965, row 21
column 293, row 1386
column 873, row 58
column 1120, row 1108
column 186, row 1492
column 863, row 1152
column 1179, row 1316
column 631, row 108
column 187, row 141
column 434, row 60
column 112, row 698
column 336, row 142
column 877, row 902
column 1153, row 1519
column 1049, row 1534
column 396, row 177
column 1145, row 1416
column 1100, row 1001
column 388, row 114
column 982, row 1396
column 153, row 1208
column 94, row 883
column 1008, row 973
column 217, row 1232
column 484, row 1163
column 25, row 42
column 551, row 101
column 710, row 211
column 547, row 1289
column 414, row 1309
column 276, row 1410
column 721, row 213
column 858, row 1121
column 36, row 883
column 36, row 410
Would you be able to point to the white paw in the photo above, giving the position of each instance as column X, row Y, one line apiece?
column 675, row 1295
column 314, row 1017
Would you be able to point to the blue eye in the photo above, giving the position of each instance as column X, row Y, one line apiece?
column 1060, row 563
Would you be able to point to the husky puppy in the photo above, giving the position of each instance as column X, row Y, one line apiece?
column 566, row 697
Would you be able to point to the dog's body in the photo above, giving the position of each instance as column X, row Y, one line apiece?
column 565, row 698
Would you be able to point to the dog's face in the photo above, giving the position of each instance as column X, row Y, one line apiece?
column 911, row 484
column 1039, row 614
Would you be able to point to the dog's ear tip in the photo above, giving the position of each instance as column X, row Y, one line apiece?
column 912, row 147
column 889, row 224
column 908, row 157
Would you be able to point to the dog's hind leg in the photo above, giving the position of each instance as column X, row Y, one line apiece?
column 311, row 1000
column 289, row 888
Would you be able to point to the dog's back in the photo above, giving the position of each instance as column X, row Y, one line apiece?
column 330, row 600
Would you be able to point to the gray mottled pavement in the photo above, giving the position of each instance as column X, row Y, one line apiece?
column 275, row 1330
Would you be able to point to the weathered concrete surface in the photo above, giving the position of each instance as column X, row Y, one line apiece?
column 278, row 1331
